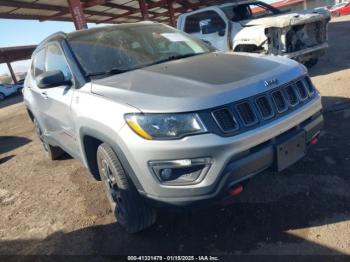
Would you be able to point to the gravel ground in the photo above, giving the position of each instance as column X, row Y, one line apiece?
column 57, row 208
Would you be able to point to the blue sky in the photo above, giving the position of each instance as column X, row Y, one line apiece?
column 30, row 32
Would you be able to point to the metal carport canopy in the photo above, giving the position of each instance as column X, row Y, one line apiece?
column 11, row 54
column 99, row 11
column 93, row 11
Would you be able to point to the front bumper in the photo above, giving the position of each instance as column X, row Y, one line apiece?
column 234, row 159
column 308, row 53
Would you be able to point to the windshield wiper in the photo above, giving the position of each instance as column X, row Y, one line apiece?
column 112, row 71
column 115, row 71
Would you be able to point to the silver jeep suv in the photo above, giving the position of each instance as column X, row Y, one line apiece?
column 161, row 118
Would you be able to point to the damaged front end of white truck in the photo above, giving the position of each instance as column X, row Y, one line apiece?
column 252, row 26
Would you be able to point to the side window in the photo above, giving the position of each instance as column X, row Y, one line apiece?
column 55, row 60
column 206, row 22
column 39, row 63
column 240, row 12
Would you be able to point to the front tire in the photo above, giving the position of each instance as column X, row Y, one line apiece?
column 130, row 209
column 2, row 96
column 51, row 152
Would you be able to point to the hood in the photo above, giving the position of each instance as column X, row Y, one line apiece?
column 286, row 20
column 196, row 83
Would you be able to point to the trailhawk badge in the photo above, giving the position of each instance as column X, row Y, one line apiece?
column 271, row 82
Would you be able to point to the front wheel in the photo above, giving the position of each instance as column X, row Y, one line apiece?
column 130, row 209
column 2, row 96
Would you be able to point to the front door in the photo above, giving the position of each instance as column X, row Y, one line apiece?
column 209, row 26
column 57, row 114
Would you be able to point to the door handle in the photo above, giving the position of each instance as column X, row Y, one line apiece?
column 44, row 95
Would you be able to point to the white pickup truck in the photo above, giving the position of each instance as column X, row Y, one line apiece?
column 253, row 26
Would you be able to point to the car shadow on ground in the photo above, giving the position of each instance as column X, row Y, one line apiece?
column 274, row 214
column 9, row 143
column 11, row 100
column 337, row 57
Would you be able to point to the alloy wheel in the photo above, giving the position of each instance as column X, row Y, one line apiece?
column 113, row 192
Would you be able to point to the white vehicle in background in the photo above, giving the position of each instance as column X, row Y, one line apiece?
column 253, row 26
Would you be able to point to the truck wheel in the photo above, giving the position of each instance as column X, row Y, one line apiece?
column 130, row 209
column 51, row 152
column 2, row 96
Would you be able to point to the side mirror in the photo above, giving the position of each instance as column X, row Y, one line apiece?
column 51, row 79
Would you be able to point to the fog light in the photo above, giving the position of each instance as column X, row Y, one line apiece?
column 165, row 173
column 181, row 172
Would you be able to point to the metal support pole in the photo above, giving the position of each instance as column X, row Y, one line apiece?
column 144, row 10
column 11, row 72
column 305, row 5
column 77, row 13
column 171, row 12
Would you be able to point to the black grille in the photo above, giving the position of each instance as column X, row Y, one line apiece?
column 309, row 86
column 225, row 120
column 291, row 95
column 246, row 113
column 279, row 101
column 301, row 90
column 264, row 107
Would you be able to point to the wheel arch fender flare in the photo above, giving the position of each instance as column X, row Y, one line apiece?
column 96, row 134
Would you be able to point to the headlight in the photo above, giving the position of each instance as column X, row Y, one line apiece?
column 165, row 126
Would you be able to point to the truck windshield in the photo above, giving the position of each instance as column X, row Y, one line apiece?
column 252, row 10
column 117, row 49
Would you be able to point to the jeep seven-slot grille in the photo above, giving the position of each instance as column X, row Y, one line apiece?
column 301, row 90
column 280, row 102
column 264, row 107
column 291, row 95
column 246, row 113
column 225, row 120
column 309, row 86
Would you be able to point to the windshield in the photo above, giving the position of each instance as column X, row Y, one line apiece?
column 251, row 10
column 117, row 49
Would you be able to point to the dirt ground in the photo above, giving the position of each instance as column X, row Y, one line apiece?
column 57, row 208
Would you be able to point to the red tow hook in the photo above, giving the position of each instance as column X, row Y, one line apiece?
column 235, row 191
